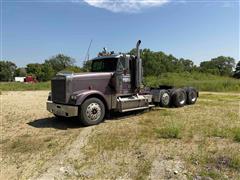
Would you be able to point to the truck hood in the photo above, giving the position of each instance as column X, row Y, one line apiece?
column 95, row 81
column 64, row 85
column 92, row 75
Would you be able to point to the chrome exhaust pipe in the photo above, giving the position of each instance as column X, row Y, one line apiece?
column 139, row 69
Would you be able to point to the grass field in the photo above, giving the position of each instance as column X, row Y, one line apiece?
column 199, row 141
column 18, row 86
column 203, row 82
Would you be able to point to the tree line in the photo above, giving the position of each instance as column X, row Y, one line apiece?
column 155, row 63
column 41, row 71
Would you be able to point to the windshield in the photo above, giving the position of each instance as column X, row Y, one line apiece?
column 104, row 65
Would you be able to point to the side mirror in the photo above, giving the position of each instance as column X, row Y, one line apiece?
column 120, row 68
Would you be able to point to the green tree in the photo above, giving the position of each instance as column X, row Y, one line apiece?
column 186, row 64
column 52, row 66
column 60, row 62
column 21, row 72
column 220, row 66
column 237, row 71
column 209, row 67
column 43, row 72
column 34, row 69
column 46, row 72
column 87, row 66
column 7, row 69
column 155, row 63
column 74, row 69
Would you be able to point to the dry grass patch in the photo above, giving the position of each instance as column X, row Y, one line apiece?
column 30, row 136
column 127, row 148
column 27, row 144
column 113, row 138
column 199, row 140
column 215, row 158
column 144, row 168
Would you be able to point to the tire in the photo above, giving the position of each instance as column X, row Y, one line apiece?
column 179, row 98
column 164, row 98
column 171, row 91
column 192, row 95
column 92, row 112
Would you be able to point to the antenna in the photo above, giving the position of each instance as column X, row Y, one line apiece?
column 87, row 54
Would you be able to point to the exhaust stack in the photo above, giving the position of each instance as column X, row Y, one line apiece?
column 139, row 70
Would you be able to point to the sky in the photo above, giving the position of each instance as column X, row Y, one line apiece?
column 34, row 30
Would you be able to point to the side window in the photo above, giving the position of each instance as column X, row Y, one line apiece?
column 109, row 65
column 124, row 61
column 97, row 66
column 104, row 65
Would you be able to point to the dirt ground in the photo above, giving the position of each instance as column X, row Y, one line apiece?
column 35, row 145
column 30, row 135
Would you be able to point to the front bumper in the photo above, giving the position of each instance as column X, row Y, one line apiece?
column 62, row 110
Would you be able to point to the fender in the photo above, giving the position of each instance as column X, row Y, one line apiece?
column 84, row 94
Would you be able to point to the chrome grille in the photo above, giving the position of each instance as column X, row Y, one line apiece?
column 59, row 89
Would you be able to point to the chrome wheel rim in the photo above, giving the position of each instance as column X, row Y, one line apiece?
column 165, row 98
column 93, row 111
column 193, row 97
column 182, row 99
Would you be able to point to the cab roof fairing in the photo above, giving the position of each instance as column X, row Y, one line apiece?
column 110, row 57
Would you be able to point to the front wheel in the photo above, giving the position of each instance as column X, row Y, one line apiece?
column 92, row 111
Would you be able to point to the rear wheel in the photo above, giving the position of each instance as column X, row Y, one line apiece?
column 192, row 95
column 92, row 111
column 164, row 98
column 179, row 98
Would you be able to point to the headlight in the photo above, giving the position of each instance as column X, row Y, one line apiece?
column 73, row 97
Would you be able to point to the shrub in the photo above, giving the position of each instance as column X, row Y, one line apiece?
column 237, row 135
column 170, row 132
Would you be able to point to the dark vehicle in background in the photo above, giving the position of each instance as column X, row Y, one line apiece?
column 115, row 83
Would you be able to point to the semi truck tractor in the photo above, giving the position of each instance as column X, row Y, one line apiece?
column 114, row 84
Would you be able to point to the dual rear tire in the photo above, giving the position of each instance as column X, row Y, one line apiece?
column 192, row 95
column 178, row 97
